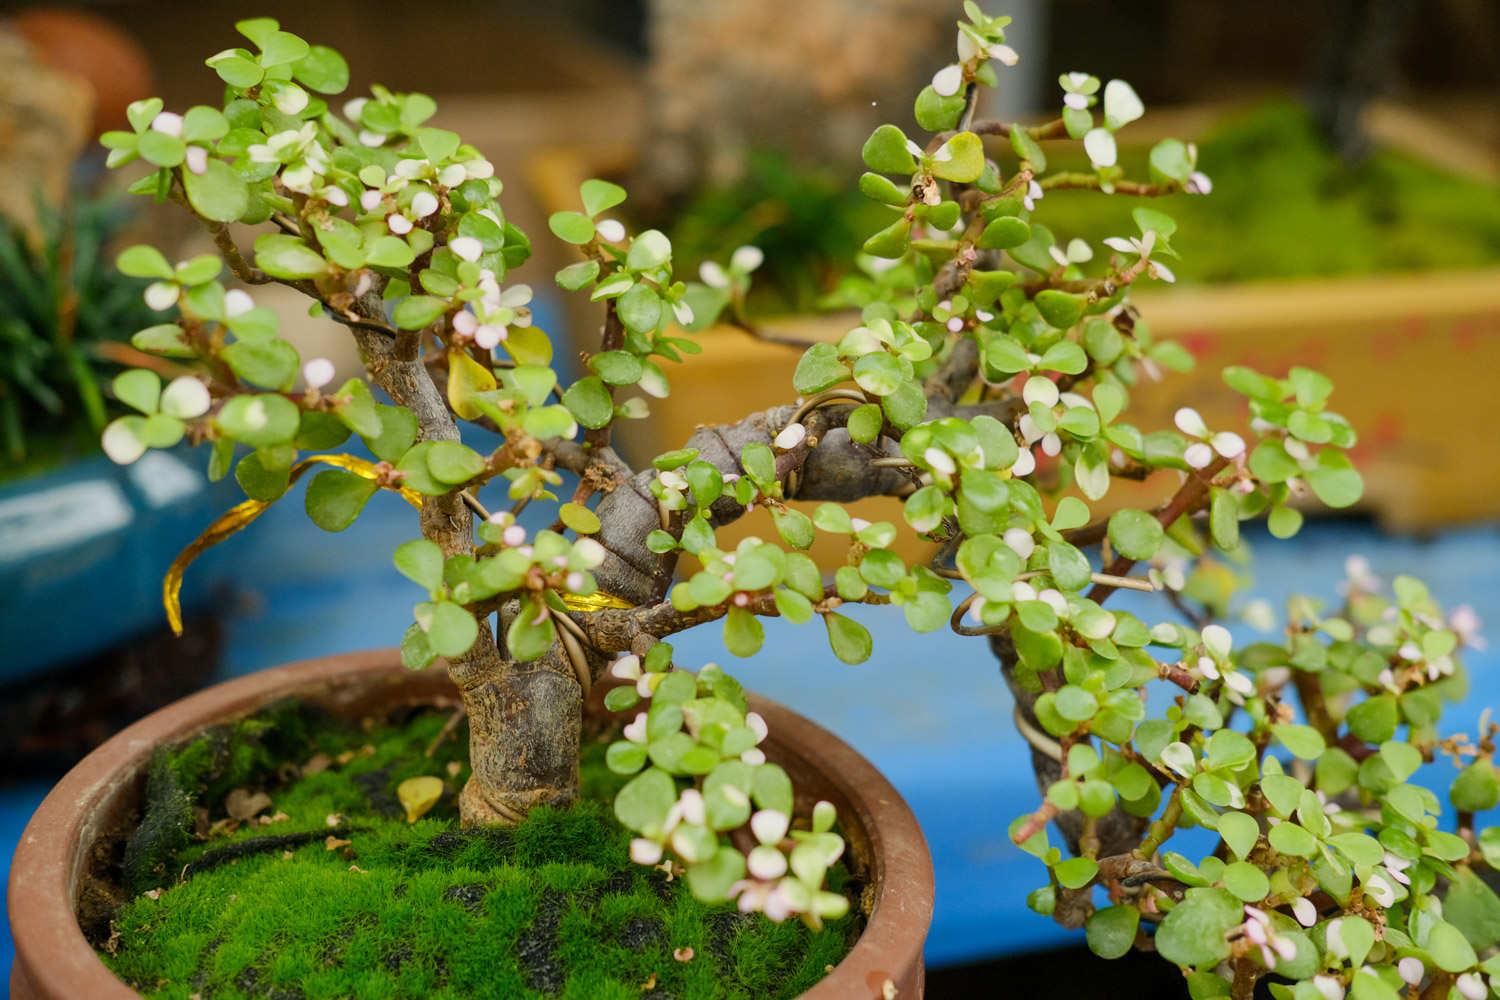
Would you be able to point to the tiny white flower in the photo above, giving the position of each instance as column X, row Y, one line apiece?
column 756, row 723
column 335, row 196
column 610, row 230
column 514, row 535
column 1228, row 444
column 1304, row 910
column 574, row 581
column 940, row 461
column 746, row 259
column 626, row 668
column 423, row 204
column 1208, row 668
column 1040, row 389
column 1411, row 969
column 237, row 302
column 1162, row 272
column 1020, row 590
column 121, row 444
column 1005, row 54
column 712, row 275
column 645, row 852
column 185, row 398
column 465, row 322
column 1099, row 143
column 466, row 247
column 368, row 137
column 398, row 223
column 1077, row 102
column 948, row 80
column 1051, row 444
column 1020, row 541
column 754, row 757
column 1198, row 455
column 914, row 149
column 369, row 199
column 1328, row 987
column 1380, row 889
column 167, row 123
column 161, row 295
column 692, row 806
column 635, row 730
column 1472, row 986
column 1198, row 183
column 1335, row 933
column 857, row 523
column 1054, row 600
column 479, row 169
column 1025, row 464
column 410, row 168
column 452, row 175
column 1239, row 683
column 1033, row 195
column 197, row 159
column 291, row 99
column 1190, row 422
column 682, row 312
column 1296, row 449
column 790, row 437
column 955, row 324
column 489, row 335
column 354, row 107
column 766, row 863
column 769, row 826
column 516, row 296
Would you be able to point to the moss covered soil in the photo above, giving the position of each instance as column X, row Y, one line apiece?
column 328, row 891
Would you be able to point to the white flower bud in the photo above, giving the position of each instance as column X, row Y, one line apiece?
column 423, row 204
column 197, row 159
column 1020, row 541
column 1198, row 455
column 185, row 398
column 949, row 80
column 791, row 436
column 452, row 175
column 318, row 372
column 712, row 275
column 167, row 123
column 769, row 826
column 398, row 223
column 121, row 444
column 1411, row 969
column 610, row 230
column 466, row 247
column 1190, row 422
column 645, row 852
column 746, row 259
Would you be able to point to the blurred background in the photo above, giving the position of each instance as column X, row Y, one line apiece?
column 1354, row 226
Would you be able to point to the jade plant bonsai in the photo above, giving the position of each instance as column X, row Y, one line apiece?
column 987, row 383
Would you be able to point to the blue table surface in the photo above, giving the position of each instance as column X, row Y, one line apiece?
column 929, row 710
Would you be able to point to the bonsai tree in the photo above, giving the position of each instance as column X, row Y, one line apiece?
column 987, row 382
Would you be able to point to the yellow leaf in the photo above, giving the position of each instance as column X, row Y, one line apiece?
column 529, row 345
column 466, row 378
column 419, row 795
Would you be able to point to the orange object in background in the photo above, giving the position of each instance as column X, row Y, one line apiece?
column 114, row 65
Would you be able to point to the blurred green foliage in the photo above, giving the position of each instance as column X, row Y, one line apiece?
column 60, row 296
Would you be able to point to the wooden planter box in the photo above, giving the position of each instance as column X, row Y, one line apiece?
column 1400, row 349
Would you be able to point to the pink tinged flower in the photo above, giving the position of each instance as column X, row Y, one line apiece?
column 757, row 725
column 1286, row 948
column 369, row 199
column 423, row 204
column 466, row 247
column 1033, row 195
column 610, row 230
column 766, row 863
column 167, row 123
column 197, row 159
column 778, row 905
column 791, row 436
column 1411, row 969
column 769, row 826
column 1472, row 986
column 1198, row 455
column 513, row 536
column 645, row 852
column 1466, row 622
column 635, row 730
column 626, row 668
column 398, row 223
column 1304, row 910
column 955, row 324
column 574, row 581
column 948, row 80
column 465, row 323
column 1198, row 183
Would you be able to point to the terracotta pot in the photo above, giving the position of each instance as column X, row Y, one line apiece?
column 72, row 828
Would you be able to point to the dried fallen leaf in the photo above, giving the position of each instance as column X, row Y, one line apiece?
column 357, row 868
column 649, row 984
column 152, row 894
column 345, row 757
column 286, row 855
column 333, row 819
column 419, row 795
column 683, row 954
column 243, row 804
column 223, row 827
column 333, row 843
column 317, row 764
column 276, row 817
column 453, row 768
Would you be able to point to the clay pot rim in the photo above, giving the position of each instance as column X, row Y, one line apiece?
column 53, row 959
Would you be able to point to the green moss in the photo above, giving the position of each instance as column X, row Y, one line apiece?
column 553, row 907
column 1284, row 205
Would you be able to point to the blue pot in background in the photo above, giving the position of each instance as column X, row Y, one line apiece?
column 83, row 550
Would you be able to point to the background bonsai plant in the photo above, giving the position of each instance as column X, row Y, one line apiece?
column 987, row 385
